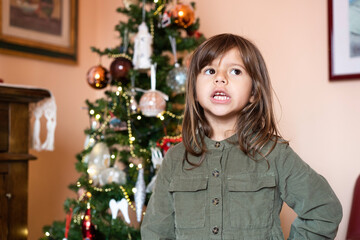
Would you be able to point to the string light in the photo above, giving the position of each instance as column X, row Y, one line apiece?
column 92, row 112
column 131, row 137
column 127, row 198
column 126, row 195
column 172, row 115
column 124, row 55
column 138, row 117
column 81, row 197
column 152, row 27
column 77, row 218
column 159, row 9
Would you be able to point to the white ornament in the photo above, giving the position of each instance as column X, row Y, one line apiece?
column 98, row 160
column 110, row 175
column 140, row 194
column 121, row 205
column 142, row 48
column 156, row 157
column 47, row 108
column 165, row 20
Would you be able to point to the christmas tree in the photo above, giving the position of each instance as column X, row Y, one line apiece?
column 135, row 122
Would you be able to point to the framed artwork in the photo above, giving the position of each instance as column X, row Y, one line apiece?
column 41, row 29
column 344, row 39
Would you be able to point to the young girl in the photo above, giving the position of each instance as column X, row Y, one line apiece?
column 230, row 175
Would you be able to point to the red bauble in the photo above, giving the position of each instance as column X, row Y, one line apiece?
column 88, row 229
column 98, row 77
column 120, row 68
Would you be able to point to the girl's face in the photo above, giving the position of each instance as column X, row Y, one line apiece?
column 224, row 88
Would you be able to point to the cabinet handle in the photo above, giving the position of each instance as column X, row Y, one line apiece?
column 8, row 195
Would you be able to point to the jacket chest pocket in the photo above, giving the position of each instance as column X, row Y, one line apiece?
column 189, row 196
column 251, row 200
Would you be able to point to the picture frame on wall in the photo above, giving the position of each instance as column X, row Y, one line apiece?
column 344, row 39
column 40, row 29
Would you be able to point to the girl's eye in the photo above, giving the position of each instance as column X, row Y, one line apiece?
column 235, row 71
column 209, row 71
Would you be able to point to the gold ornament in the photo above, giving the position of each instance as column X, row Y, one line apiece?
column 183, row 15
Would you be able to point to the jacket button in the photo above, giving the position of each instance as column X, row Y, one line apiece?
column 215, row 230
column 215, row 201
column 217, row 144
column 216, row 173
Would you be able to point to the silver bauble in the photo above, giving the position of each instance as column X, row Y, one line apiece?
column 176, row 79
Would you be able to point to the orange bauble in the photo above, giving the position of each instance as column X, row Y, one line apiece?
column 183, row 15
column 98, row 77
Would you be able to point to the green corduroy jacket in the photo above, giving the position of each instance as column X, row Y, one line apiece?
column 231, row 196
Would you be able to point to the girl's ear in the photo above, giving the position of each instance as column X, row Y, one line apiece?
column 252, row 98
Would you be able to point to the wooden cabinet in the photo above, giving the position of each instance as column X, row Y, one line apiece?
column 14, row 158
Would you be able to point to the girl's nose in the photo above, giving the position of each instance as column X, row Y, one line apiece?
column 220, row 80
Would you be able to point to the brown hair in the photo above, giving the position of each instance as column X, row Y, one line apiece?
column 256, row 122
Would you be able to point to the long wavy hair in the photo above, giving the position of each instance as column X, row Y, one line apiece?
column 256, row 125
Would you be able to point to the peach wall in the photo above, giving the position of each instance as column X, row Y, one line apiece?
column 52, row 172
column 319, row 117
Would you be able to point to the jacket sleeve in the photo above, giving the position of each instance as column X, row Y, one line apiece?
column 158, row 222
column 310, row 196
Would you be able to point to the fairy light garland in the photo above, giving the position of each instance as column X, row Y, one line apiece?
column 77, row 218
column 170, row 114
column 124, row 55
column 152, row 27
column 170, row 139
column 131, row 137
column 126, row 195
column 159, row 9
